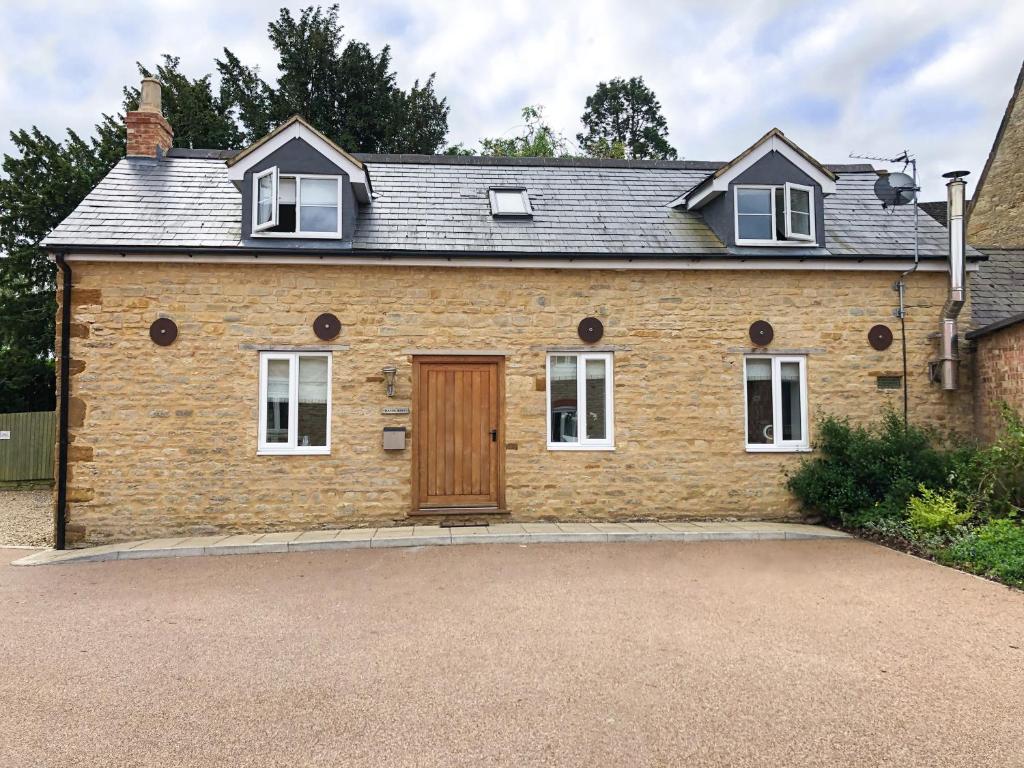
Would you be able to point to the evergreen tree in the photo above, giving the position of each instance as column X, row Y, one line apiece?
column 343, row 88
column 623, row 119
column 37, row 190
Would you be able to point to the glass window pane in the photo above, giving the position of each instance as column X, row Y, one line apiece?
column 317, row 218
column 799, row 201
column 277, row 401
column 759, row 402
column 597, row 386
column 509, row 202
column 800, row 223
column 286, row 191
column 563, row 402
column 754, row 200
column 792, row 411
column 755, row 227
column 264, row 195
column 320, row 192
column 313, row 393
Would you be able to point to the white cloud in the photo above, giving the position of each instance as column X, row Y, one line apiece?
column 868, row 75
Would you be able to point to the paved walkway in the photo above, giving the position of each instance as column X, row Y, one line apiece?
column 433, row 535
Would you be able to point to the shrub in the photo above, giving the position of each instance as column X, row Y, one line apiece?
column 864, row 474
column 995, row 549
column 935, row 511
column 990, row 481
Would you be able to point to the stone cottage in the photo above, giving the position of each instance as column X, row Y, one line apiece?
column 295, row 336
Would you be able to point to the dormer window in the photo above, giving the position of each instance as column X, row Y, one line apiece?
column 510, row 201
column 774, row 215
column 299, row 205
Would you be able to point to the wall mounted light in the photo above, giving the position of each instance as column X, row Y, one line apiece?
column 389, row 372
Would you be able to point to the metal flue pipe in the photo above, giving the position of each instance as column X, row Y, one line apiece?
column 956, row 204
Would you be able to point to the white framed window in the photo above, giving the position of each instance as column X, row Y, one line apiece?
column 799, row 212
column 510, row 201
column 775, row 403
column 295, row 403
column 298, row 205
column 580, row 407
column 774, row 215
column 264, row 193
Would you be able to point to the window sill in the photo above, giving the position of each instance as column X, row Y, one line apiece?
column 778, row 449
column 298, row 235
column 577, row 447
column 777, row 243
column 294, row 452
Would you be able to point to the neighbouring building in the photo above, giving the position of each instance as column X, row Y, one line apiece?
column 996, row 228
column 294, row 336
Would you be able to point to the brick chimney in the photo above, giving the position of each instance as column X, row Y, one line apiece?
column 149, row 134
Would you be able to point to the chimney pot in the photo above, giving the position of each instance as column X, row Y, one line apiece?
column 149, row 100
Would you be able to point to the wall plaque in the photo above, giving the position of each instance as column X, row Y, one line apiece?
column 163, row 331
column 880, row 337
column 761, row 333
column 395, row 410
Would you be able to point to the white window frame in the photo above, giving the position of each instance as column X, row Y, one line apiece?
column 800, row 242
column 527, row 211
column 290, row 448
column 790, row 234
column 779, row 445
column 274, row 186
column 298, row 233
column 583, row 443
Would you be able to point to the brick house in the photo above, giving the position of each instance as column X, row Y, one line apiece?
column 294, row 336
column 996, row 228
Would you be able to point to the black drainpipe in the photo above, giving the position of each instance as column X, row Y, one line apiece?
column 60, row 513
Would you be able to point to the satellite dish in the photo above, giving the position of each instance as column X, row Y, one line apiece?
column 895, row 189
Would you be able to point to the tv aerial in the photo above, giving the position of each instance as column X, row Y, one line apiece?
column 895, row 189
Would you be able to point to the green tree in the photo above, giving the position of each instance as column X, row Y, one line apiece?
column 199, row 118
column 538, row 139
column 37, row 190
column 343, row 88
column 623, row 119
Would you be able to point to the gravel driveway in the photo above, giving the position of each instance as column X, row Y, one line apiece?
column 26, row 517
column 799, row 653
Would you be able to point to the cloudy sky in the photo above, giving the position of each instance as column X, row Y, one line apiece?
column 864, row 76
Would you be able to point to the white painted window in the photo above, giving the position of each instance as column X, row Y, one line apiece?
column 295, row 403
column 580, row 401
column 300, row 205
column 265, row 188
column 775, row 403
column 510, row 201
column 774, row 215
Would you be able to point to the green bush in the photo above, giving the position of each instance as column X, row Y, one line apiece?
column 990, row 481
column 995, row 549
column 863, row 474
column 935, row 511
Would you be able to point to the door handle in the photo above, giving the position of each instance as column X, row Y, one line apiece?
column 494, row 435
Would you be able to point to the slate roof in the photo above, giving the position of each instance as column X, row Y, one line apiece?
column 997, row 288
column 439, row 204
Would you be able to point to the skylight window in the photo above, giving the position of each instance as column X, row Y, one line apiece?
column 510, row 201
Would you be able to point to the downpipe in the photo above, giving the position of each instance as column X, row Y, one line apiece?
column 60, row 511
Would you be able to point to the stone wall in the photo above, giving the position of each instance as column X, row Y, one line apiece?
column 999, row 378
column 997, row 211
column 164, row 438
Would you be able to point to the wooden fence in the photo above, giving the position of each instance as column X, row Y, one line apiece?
column 26, row 446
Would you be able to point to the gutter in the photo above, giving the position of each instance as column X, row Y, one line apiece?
column 60, row 512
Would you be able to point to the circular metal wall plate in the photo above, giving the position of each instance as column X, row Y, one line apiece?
column 880, row 337
column 761, row 333
column 326, row 327
column 590, row 329
column 163, row 331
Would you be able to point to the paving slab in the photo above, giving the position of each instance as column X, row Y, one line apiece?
column 246, row 544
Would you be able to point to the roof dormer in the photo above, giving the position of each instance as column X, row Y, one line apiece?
column 770, row 195
column 298, row 185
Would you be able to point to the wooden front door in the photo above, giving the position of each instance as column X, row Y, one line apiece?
column 458, row 457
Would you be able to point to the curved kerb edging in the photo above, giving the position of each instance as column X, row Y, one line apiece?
column 432, row 535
